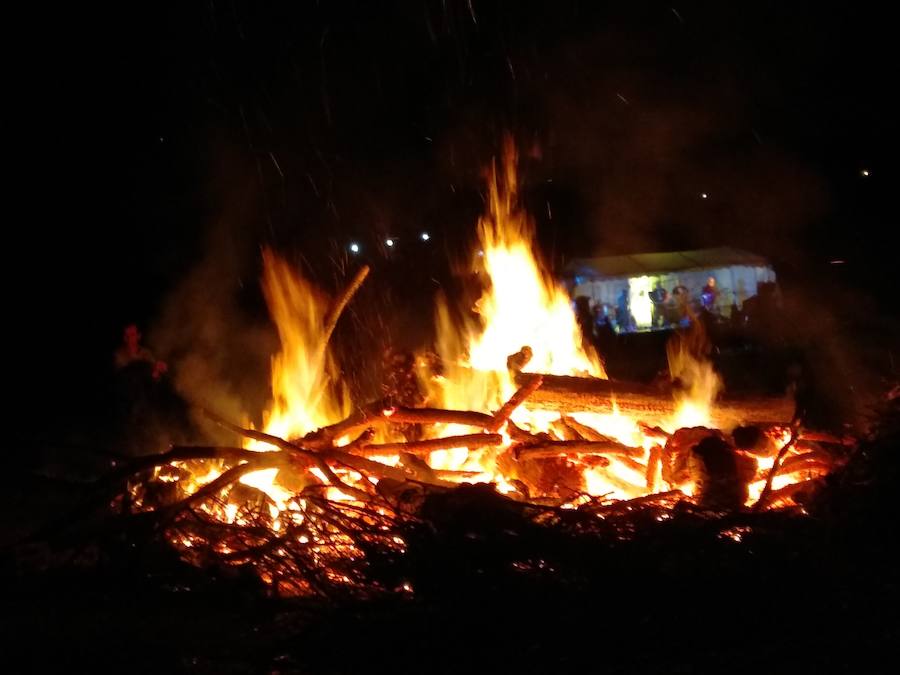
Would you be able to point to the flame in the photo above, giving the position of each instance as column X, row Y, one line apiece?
column 307, row 392
column 521, row 305
column 690, row 366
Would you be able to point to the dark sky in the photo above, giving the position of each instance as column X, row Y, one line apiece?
column 159, row 139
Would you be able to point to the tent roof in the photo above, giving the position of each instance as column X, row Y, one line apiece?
column 658, row 263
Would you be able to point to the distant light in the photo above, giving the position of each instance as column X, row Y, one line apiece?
column 836, row 262
column 703, row 195
column 389, row 242
column 425, row 236
column 865, row 172
column 354, row 247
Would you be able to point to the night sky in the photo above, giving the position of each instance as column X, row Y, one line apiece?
column 163, row 141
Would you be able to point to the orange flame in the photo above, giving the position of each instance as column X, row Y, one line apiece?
column 521, row 305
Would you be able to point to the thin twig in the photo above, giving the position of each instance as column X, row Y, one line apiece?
column 337, row 308
column 316, row 458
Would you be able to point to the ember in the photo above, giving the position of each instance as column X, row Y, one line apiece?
column 519, row 419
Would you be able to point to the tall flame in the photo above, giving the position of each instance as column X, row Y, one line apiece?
column 307, row 392
column 521, row 305
column 689, row 365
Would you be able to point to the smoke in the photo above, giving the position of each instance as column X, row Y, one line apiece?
column 217, row 349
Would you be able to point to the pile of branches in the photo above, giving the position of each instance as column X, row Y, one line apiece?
column 365, row 542
column 369, row 542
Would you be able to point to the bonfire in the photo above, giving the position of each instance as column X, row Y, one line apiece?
column 516, row 416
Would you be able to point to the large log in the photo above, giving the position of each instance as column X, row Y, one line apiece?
column 649, row 404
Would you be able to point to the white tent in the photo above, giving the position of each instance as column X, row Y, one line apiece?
column 738, row 275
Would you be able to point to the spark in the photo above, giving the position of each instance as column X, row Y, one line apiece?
column 425, row 236
column 277, row 166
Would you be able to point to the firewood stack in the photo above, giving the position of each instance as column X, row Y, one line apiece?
column 308, row 512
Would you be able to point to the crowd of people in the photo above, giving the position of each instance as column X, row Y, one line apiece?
column 678, row 308
column 675, row 308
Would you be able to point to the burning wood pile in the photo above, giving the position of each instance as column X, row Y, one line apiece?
column 324, row 497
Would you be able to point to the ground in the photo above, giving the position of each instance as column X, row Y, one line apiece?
column 817, row 593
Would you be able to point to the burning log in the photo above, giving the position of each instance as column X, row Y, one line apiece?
column 817, row 462
column 555, row 477
column 753, row 441
column 575, row 448
column 566, row 393
column 519, row 434
column 720, row 475
column 468, row 441
column 378, row 414
column 517, row 399
column 368, row 467
column 654, row 465
column 650, row 430
column 806, row 459
column 676, row 455
column 828, row 439
column 516, row 362
column 632, row 464
column 791, row 492
column 563, row 432
column 438, row 416
column 583, row 430
column 764, row 495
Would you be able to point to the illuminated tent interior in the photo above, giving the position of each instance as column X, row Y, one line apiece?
column 602, row 280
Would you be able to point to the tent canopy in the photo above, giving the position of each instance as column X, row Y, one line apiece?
column 609, row 267
column 622, row 285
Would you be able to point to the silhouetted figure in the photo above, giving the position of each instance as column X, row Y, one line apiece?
column 708, row 295
column 604, row 333
column 682, row 300
column 150, row 413
column 659, row 296
column 585, row 319
column 131, row 352
column 623, row 311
